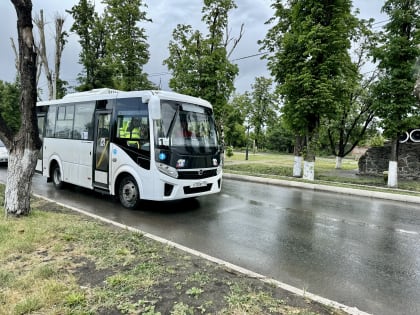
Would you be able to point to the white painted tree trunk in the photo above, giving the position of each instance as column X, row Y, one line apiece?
column 338, row 162
column 297, row 166
column 20, row 171
column 309, row 170
column 393, row 174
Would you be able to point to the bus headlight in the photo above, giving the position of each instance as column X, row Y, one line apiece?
column 168, row 170
column 219, row 169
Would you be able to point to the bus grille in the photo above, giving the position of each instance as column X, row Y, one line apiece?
column 196, row 174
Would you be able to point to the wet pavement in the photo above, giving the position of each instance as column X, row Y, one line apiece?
column 357, row 251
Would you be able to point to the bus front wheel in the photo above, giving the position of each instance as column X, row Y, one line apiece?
column 128, row 192
column 56, row 177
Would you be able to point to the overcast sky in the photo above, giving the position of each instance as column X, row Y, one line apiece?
column 166, row 14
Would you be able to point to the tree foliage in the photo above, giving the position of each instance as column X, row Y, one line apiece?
column 199, row 62
column 396, row 55
column 126, row 43
column 356, row 112
column 263, row 109
column 9, row 105
column 114, row 48
column 308, row 55
column 234, row 128
column 91, row 31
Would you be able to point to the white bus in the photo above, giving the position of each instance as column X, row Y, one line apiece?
column 151, row 145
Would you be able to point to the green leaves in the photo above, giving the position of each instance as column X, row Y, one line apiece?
column 9, row 105
column 308, row 56
column 199, row 62
column 396, row 56
column 114, row 48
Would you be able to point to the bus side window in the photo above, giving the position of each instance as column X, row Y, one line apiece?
column 83, row 118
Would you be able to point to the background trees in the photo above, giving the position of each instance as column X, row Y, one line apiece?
column 355, row 111
column 199, row 62
column 54, row 82
column 91, row 31
column 114, row 48
column 126, row 43
column 309, row 58
column 9, row 100
column 397, row 53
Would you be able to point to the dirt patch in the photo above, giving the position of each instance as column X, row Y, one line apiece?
column 198, row 287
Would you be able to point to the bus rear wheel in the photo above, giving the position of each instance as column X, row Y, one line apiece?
column 56, row 177
column 128, row 192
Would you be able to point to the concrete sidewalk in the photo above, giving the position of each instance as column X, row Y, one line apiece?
column 325, row 187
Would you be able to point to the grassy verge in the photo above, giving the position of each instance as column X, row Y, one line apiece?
column 281, row 166
column 57, row 262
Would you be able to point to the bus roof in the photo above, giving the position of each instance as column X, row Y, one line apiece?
column 104, row 94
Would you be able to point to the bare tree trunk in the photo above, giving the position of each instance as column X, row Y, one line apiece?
column 42, row 51
column 24, row 145
column 59, row 47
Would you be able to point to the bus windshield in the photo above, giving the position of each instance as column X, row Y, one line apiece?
column 186, row 127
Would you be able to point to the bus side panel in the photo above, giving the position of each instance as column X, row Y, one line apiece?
column 76, row 162
column 85, row 149
column 120, row 163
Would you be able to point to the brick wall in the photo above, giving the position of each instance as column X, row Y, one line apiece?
column 375, row 161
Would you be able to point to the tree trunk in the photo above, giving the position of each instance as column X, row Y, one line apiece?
column 393, row 165
column 19, row 180
column 59, row 47
column 25, row 144
column 309, row 170
column 338, row 162
column 42, row 51
column 309, row 163
column 297, row 165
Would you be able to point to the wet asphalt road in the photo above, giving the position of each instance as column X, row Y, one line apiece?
column 357, row 251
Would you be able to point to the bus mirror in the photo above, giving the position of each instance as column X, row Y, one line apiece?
column 154, row 107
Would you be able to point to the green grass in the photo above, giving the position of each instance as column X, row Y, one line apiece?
column 54, row 261
column 276, row 165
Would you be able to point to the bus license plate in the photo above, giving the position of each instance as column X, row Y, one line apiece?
column 199, row 184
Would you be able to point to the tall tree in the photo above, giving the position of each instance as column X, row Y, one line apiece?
column 60, row 39
column 396, row 56
column 263, row 109
column 237, row 111
column 356, row 112
column 126, row 44
column 24, row 143
column 39, row 21
column 54, row 82
column 199, row 63
column 309, row 57
column 92, row 35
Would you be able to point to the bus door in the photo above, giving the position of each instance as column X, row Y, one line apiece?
column 101, row 151
column 41, row 124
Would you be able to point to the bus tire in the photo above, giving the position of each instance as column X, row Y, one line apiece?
column 128, row 192
column 56, row 177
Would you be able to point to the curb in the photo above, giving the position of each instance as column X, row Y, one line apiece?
column 326, row 188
